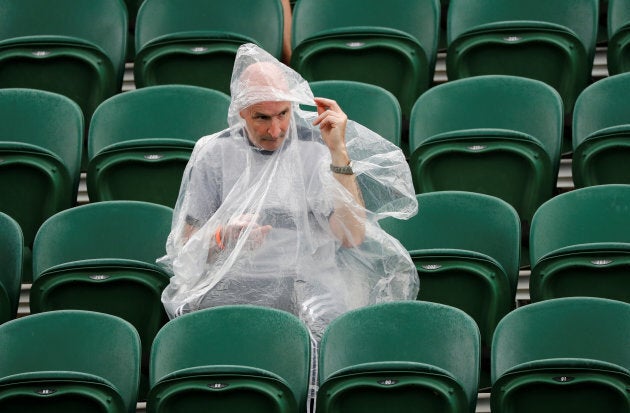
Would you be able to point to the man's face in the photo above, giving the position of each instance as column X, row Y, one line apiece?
column 267, row 123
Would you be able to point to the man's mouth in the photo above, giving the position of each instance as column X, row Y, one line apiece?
column 271, row 138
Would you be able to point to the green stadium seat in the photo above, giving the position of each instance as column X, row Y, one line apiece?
column 466, row 248
column 41, row 142
column 140, row 141
column 563, row 355
column 551, row 41
column 195, row 42
column 76, row 49
column 601, row 133
column 405, row 356
column 11, row 256
column 390, row 44
column 580, row 244
column 370, row 105
column 618, row 51
column 494, row 134
column 101, row 257
column 231, row 359
column 68, row 361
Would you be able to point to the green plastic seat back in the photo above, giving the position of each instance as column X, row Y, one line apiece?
column 597, row 214
column 618, row 52
column 66, row 352
column 370, row 105
column 41, row 141
column 494, row 134
column 578, row 15
column 398, row 40
column 601, row 132
column 227, row 342
column 73, row 48
column 158, row 112
column 11, row 253
column 195, row 42
column 552, row 41
column 580, row 244
column 130, row 230
column 100, row 22
column 453, row 220
column 140, row 141
column 414, row 336
column 567, row 353
column 399, row 15
column 106, row 249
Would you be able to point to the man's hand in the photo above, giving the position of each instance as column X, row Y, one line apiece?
column 237, row 226
column 332, row 124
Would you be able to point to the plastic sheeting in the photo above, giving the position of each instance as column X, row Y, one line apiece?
column 254, row 225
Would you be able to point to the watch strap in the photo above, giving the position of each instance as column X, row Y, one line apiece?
column 344, row 170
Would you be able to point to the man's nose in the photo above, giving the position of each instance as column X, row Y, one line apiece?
column 274, row 129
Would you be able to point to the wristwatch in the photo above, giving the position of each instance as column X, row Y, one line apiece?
column 344, row 170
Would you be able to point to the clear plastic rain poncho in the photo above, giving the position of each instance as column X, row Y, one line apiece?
column 299, row 265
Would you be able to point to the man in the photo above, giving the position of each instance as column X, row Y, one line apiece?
column 272, row 211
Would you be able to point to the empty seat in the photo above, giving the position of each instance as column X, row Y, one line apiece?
column 140, row 141
column 231, row 359
column 101, row 257
column 580, row 244
column 370, row 105
column 69, row 361
column 195, row 42
column 41, row 141
column 494, row 134
column 618, row 51
column 466, row 248
column 563, row 355
column 551, row 41
column 11, row 252
column 75, row 48
column 405, row 356
column 389, row 44
column 601, row 133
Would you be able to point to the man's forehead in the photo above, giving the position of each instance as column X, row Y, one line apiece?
column 269, row 108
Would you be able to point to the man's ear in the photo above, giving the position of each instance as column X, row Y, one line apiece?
column 242, row 113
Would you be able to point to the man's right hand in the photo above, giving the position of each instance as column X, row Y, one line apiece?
column 242, row 224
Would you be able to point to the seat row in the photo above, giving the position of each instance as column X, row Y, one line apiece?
column 499, row 135
column 466, row 247
column 81, row 51
column 566, row 354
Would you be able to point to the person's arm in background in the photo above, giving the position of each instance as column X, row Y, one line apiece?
column 286, row 39
column 348, row 220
